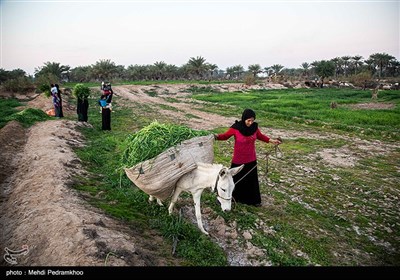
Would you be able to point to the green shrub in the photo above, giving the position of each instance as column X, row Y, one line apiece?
column 21, row 84
column 45, row 88
column 42, row 83
column 249, row 80
column 360, row 79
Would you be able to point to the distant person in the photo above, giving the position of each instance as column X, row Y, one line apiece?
column 106, row 106
column 246, row 132
column 61, row 114
column 82, row 109
column 56, row 100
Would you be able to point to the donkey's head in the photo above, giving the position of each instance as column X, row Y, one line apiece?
column 225, row 186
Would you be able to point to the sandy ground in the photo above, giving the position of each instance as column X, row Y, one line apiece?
column 40, row 212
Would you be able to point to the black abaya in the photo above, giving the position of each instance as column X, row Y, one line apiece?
column 106, row 118
column 82, row 110
column 247, row 190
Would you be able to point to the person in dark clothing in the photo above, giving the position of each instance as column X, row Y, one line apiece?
column 82, row 109
column 55, row 99
column 106, row 106
column 82, row 94
column 60, row 112
column 246, row 132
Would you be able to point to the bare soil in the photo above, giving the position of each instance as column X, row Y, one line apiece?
column 39, row 209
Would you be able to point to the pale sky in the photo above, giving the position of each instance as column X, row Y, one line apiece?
column 225, row 33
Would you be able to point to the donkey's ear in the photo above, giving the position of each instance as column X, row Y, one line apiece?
column 235, row 170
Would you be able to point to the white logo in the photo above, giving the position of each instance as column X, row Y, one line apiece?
column 10, row 255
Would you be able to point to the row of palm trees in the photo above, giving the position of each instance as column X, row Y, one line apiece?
column 380, row 64
column 197, row 68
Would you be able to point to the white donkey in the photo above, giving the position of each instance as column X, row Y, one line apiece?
column 205, row 175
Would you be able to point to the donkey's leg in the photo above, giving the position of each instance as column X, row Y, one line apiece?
column 196, row 198
column 174, row 198
column 159, row 202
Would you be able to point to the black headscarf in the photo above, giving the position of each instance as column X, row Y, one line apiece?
column 241, row 125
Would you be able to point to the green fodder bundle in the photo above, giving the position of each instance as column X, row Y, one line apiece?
column 29, row 116
column 153, row 139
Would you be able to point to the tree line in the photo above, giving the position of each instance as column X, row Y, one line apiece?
column 377, row 66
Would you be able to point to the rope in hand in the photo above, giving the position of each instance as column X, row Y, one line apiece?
column 278, row 151
column 278, row 154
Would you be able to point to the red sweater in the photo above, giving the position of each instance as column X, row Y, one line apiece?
column 244, row 150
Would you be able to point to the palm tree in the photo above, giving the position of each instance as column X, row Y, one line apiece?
column 338, row 62
column 172, row 72
column 238, row 70
column 198, row 66
column 268, row 71
column 213, row 68
column 104, row 69
column 276, row 68
column 324, row 69
column 370, row 65
column 160, row 69
column 81, row 74
column 393, row 67
column 306, row 67
column 346, row 59
column 357, row 62
column 255, row 69
column 381, row 60
column 230, row 72
column 52, row 68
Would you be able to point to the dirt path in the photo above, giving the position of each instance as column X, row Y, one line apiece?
column 199, row 119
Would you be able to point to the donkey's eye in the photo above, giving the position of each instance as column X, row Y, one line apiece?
column 223, row 190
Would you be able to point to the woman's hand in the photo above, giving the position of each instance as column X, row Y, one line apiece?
column 275, row 141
